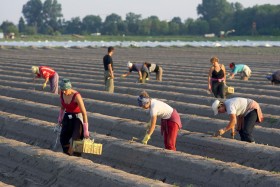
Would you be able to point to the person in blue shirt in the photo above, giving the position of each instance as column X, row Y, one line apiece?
column 142, row 70
column 240, row 68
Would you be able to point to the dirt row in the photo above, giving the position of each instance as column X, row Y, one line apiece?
column 188, row 142
column 29, row 115
column 187, row 104
column 144, row 160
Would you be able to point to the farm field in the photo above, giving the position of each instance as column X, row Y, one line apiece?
column 28, row 116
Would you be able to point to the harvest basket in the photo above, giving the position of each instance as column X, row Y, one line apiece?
column 229, row 90
column 87, row 146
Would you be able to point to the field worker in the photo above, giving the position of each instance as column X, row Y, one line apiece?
column 49, row 75
column 155, row 68
column 217, row 78
column 72, row 117
column 240, row 68
column 274, row 78
column 142, row 70
column 109, row 70
column 243, row 114
column 170, row 120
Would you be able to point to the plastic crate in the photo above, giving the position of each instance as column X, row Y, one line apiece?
column 87, row 146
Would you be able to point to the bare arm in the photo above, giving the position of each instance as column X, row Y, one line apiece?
column 126, row 74
column 153, row 125
column 209, row 78
column 140, row 74
column 81, row 105
column 230, row 125
column 46, row 80
column 225, row 74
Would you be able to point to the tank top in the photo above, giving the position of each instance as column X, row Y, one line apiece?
column 72, row 107
column 219, row 74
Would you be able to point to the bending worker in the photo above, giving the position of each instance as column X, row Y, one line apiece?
column 274, row 78
column 170, row 120
column 243, row 113
column 49, row 75
column 142, row 70
column 72, row 116
column 240, row 68
column 155, row 68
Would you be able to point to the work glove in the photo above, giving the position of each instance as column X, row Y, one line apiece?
column 85, row 127
column 146, row 139
column 44, row 86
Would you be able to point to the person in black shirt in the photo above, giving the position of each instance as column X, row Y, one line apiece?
column 217, row 78
column 109, row 70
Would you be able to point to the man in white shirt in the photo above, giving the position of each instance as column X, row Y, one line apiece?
column 243, row 112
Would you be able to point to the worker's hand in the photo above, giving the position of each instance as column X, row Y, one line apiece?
column 123, row 75
column 146, row 139
column 219, row 132
column 210, row 88
column 112, row 76
column 44, row 86
column 85, row 127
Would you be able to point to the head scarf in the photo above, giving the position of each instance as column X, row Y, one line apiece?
column 65, row 84
column 143, row 100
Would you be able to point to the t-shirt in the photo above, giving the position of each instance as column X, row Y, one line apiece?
column 237, row 105
column 154, row 68
column 107, row 59
column 238, row 68
column 136, row 67
column 160, row 109
column 45, row 72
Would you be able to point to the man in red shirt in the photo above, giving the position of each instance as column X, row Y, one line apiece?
column 49, row 75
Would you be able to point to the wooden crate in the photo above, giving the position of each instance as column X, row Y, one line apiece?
column 87, row 146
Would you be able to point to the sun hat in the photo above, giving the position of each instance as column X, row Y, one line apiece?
column 215, row 106
column 35, row 69
column 129, row 64
column 65, row 84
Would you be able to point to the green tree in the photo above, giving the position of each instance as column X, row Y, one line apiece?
column 111, row 24
column 21, row 25
column 91, row 24
column 32, row 12
column 175, row 26
column 51, row 16
column 9, row 27
column 133, row 22
column 74, row 26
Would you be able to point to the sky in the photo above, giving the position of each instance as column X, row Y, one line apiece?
column 165, row 9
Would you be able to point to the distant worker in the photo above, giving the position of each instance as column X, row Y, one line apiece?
column 170, row 120
column 155, row 68
column 142, row 70
column 109, row 70
column 274, row 77
column 72, row 116
column 243, row 114
column 240, row 68
column 49, row 75
column 217, row 78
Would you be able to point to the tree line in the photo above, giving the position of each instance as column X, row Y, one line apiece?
column 214, row 16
